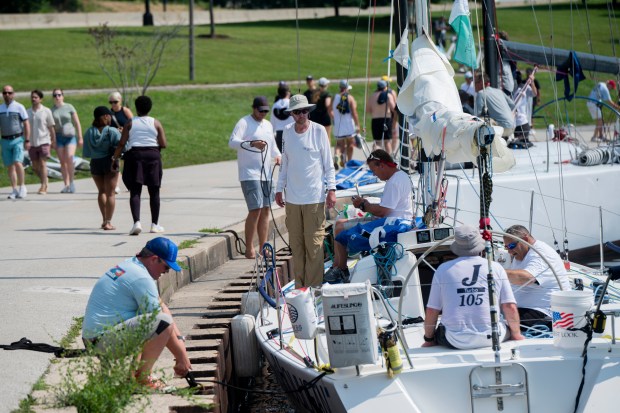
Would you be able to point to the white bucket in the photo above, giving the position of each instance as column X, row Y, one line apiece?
column 569, row 312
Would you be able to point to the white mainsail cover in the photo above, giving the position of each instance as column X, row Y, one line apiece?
column 430, row 98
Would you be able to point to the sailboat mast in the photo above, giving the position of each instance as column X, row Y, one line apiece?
column 490, row 41
column 400, row 22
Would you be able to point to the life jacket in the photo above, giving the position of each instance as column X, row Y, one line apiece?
column 343, row 106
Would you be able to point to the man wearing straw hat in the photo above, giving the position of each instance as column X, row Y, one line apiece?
column 460, row 293
column 306, row 186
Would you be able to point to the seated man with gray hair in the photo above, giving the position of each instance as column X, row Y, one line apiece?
column 531, row 277
column 460, row 293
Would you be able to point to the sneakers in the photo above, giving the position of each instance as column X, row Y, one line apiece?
column 342, row 162
column 72, row 188
column 23, row 192
column 156, row 229
column 336, row 162
column 65, row 190
column 136, row 229
column 13, row 194
column 117, row 190
column 337, row 275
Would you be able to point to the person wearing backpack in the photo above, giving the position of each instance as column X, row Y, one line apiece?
column 346, row 124
column 279, row 114
column 382, row 107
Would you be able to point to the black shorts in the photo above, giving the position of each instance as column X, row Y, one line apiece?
column 101, row 166
column 530, row 317
column 522, row 131
column 143, row 167
column 322, row 118
column 382, row 129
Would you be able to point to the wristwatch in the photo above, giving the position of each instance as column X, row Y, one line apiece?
column 363, row 206
column 429, row 340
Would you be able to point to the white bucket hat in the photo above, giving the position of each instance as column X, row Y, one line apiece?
column 467, row 241
column 299, row 102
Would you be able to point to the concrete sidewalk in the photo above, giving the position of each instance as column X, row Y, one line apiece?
column 53, row 252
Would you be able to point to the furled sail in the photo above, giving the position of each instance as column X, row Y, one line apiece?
column 430, row 98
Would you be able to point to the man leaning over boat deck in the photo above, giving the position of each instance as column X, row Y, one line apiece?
column 531, row 278
column 396, row 201
column 601, row 93
column 498, row 105
column 256, row 147
column 306, row 186
column 460, row 293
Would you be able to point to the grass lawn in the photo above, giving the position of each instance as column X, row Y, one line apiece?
column 198, row 122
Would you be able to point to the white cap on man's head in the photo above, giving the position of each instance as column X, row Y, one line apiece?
column 323, row 81
column 469, row 75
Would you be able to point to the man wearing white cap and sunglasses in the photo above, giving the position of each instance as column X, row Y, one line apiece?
column 306, row 185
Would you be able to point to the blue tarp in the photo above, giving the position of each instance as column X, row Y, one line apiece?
column 352, row 173
column 357, row 239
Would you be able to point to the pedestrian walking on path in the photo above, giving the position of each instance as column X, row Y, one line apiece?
column 100, row 142
column 43, row 137
column 68, row 137
column 145, row 138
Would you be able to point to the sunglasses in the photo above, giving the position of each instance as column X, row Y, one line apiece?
column 7, row 93
column 511, row 246
column 301, row 112
column 113, row 102
column 372, row 158
column 263, row 111
column 166, row 266
column 57, row 95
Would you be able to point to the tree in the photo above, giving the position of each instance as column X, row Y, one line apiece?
column 211, row 20
column 131, row 64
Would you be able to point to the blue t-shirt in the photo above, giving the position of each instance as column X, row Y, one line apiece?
column 123, row 292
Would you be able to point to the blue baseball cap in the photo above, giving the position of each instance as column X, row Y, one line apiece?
column 166, row 250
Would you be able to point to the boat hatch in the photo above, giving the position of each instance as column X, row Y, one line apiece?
column 502, row 384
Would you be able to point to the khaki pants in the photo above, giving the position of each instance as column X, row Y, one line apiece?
column 306, row 231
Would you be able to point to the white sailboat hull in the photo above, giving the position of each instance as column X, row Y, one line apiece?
column 529, row 189
column 440, row 380
column 537, row 377
column 528, row 184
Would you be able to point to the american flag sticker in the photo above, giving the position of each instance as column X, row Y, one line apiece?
column 562, row 320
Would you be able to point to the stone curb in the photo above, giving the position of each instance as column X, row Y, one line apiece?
column 211, row 251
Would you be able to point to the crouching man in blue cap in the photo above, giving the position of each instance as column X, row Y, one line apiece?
column 126, row 299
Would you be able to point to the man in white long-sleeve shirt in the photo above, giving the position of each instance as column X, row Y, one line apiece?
column 307, row 184
column 252, row 136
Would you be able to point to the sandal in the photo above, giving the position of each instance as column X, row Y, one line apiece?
column 154, row 383
column 108, row 226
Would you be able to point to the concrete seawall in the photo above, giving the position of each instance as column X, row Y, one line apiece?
column 134, row 19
